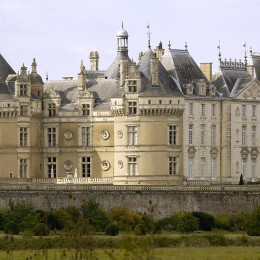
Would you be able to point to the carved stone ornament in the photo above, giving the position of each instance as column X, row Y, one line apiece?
column 191, row 151
column 68, row 135
column 120, row 164
column 105, row 134
column 68, row 165
column 105, row 165
column 119, row 134
column 244, row 153
column 237, row 112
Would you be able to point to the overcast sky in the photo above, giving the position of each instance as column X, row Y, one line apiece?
column 61, row 33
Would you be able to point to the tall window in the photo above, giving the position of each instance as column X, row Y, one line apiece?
column 202, row 168
column 85, row 109
column 132, row 86
column 132, row 135
column 213, row 109
column 253, row 135
column 86, row 166
column 132, row 108
column 23, row 90
column 132, row 166
column 243, row 167
column 202, row 134
column 52, row 136
column 172, row 134
column 213, row 135
column 190, row 109
column 243, row 135
column 173, row 165
column 23, row 136
column 203, row 109
column 52, row 109
column 253, row 110
column 23, row 110
column 213, row 165
column 85, row 136
column 190, row 133
column 22, row 168
column 202, row 90
column 243, row 110
column 190, row 167
column 52, row 167
column 253, row 170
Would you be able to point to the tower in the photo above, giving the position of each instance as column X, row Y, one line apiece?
column 122, row 42
column 94, row 59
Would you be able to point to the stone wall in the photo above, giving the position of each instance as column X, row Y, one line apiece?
column 165, row 200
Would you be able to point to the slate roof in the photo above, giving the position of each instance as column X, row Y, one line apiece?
column 5, row 92
column 5, row 68
column 240, row 85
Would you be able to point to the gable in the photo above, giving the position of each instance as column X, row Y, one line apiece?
column 250, row 91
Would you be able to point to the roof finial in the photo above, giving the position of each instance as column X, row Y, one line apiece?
column 149, row 36
column 47, row 76
column 219, row 52
column 122, row 25
column 245, row 54
column 251, row 50
column 169, row 45
column 186, row 46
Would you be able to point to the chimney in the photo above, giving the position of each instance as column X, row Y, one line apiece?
column 159, row 51
column 154, row 71
column 123, row 70
column 82, row 78
column 206, row 68
column 94, row 59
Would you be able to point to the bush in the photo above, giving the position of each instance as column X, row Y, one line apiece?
column 74, row 213
column 82, row 228
column 41, row 229
column 12, row 228
column 240, row 220
column 112, row 229
column 253, row 224
column 206, row 221
column 139, row 230
column 187, row 223
column 241, row 180
column 2, row 220
column 224, row 222
column 95, row 214
column 60, row 219
column 169, row 223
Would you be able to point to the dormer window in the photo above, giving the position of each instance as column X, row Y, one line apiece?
column 52, row 110
column 23, row 90
column 85, row 109
column 202, row 90
column 132, row 86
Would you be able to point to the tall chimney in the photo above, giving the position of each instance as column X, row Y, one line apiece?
column 154, row 71
column 94, row 59
column 206, row 68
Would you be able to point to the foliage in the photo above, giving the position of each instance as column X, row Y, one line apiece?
column 60, row 219
column 82, row 228
column 2, row 219
column 139, row 230
column 125, row 218
column 74, row 213
column 206, row 221
column 241, row 180
column 41, row 229
column 187, row 222
column 12, row 228
column 169, row 223
column 240, row 220
column 112, row 229
column 224, row 222
column 253, row 224
column 95, row 214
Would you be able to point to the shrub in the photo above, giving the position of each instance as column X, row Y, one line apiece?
column 241, row 180
column 95, row 214
column 112, row 229
column 139, row 230
column 206, row 221
column 82, row 228
column 169, row 223
column 253, row 224
column 2, row 220
column 12, row 228
column 187, row 223
column 224, row 222
column 60, row 219
column 41, row 229
column 74, row 213
column 240, row 220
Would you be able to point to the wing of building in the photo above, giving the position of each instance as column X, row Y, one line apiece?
column 161, row 121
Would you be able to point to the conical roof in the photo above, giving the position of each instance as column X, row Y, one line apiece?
column 5, row 68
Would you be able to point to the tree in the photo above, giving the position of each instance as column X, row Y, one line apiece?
column 241, row 181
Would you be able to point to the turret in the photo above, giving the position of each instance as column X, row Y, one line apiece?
column 82, row 78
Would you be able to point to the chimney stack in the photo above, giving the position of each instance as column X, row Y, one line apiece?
column 94, row 59
column 154, row 71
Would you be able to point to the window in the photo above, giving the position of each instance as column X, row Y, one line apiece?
column 149, row 102
column 243, row 167
column 213, row 135
column 202, row 168
column 213, row 165
column 172, row 134
column 23, row 110
column 243, row 135
column 132, row 108
column 213, row 109
column 85, row 109
column 173, row 165
column 160, row 102
column 190, row 133
column 86, row 166
column 202, row 134
column 51, row 167
column 253, row 135
column 85, row 134
column 132, row 135
column 202, row 90
column 132, row 86
column 170, row 102
column 52, row 136
column 23, row 136
column 203, row 109
column 243, row 110
column 23, row 90
column 253, row 110
column 52, row 110
column 22, row 168
column 10, row 175
column 191, row 109
column 190, row 167
column 253, row 170
column 132, row 166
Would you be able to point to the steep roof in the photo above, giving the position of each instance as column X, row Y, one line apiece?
column 5, row 68
column 240, row 85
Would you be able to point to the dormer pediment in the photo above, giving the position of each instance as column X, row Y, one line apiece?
column 248, row 91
